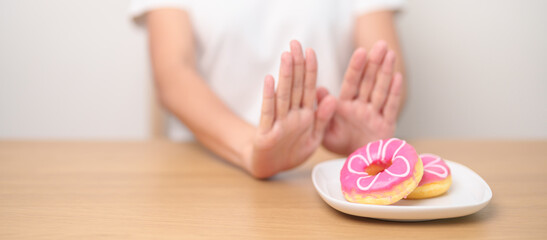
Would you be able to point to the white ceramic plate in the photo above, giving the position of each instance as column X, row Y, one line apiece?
column 468, row 194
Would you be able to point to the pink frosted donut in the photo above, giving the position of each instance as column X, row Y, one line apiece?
column 382, row 172
column 436, row 180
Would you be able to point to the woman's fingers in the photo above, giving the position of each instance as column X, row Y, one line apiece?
column 298, row 74
column 322, row 92
column 283, row 94
column 376, row 57
column 383, row 81
column 267, row 115
column 391, row 110
column 310, row 79
column 324, row 113
column 353, row 74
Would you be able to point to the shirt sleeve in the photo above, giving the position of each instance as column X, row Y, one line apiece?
column 361, row 7
column 139, row 8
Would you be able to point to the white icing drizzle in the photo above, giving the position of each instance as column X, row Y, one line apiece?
column 351, row 160
column 434, row 164
column 380, row 149
column 407, row 168
column 368, row 154
column 369, row 185
column 397, row 151
column 385, row 148
column 368, row 161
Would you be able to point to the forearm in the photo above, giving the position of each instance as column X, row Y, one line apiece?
column 376, row 26
column 185, row 94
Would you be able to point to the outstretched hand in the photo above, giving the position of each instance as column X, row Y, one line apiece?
column 290, row 128
column 369, row 101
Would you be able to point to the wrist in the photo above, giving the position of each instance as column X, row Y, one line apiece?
column 246, row 154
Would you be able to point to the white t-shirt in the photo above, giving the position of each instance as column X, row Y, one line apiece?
column 240, row 41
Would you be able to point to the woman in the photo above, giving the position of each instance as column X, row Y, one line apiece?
column 209, row 57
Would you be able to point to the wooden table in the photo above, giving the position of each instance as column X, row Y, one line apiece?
column 166, row 190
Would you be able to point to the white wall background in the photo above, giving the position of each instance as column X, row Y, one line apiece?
column 72, row 69
column 477, row 68
column 79, row 70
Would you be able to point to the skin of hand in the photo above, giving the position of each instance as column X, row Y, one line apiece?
column 290, row 128
column 288, row 133
column 369, row 101
column 380, row 26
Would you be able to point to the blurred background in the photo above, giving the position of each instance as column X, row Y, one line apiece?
column 79, row 70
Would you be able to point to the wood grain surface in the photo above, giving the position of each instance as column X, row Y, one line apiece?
column 166, row 190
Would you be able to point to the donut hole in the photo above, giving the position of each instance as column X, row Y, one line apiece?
column 376, row 168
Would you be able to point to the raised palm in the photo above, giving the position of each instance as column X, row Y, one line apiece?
column 291, row 128
column 369, row 101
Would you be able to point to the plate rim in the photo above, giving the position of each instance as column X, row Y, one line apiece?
column 330, row 200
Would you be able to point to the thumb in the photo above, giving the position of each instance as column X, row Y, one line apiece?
column 322, row 92
column 323, row 114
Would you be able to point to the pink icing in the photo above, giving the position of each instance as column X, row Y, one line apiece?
column 435, row 169
column 403, row 159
